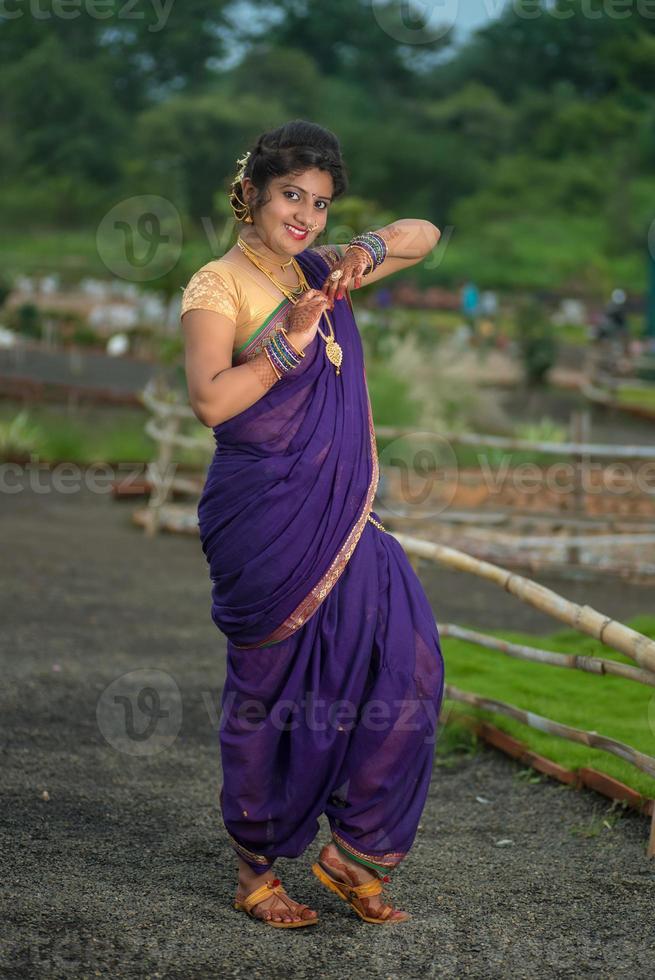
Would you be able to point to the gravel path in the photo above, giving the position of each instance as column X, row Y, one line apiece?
column 125, row 871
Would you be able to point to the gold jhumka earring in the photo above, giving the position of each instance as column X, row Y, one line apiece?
column 242, row 210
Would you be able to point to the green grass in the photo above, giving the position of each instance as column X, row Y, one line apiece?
column 92, row 434
column 642, row 397
column 612, row 706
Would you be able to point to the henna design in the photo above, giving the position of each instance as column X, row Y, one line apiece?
column 305, row 315
column 264, row 370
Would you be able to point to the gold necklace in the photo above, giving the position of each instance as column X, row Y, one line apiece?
column 255, row 258
column 243, row 245
column 333, row 350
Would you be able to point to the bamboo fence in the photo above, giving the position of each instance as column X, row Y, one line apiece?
column 584, row 619
column 164, row 428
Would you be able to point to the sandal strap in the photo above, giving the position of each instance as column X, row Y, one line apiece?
column 265, row 891
column 280, row 892
column 368, row 889
column 258, row 895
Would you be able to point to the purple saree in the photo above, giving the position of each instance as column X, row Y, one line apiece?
column 334, row 675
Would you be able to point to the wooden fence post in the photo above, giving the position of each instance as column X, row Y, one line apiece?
column 160, row 474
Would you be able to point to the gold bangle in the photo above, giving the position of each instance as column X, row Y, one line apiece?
column 293, row 347
column 371, row 263
column 268, row 357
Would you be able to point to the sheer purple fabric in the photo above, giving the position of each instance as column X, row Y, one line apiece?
column 335, row 674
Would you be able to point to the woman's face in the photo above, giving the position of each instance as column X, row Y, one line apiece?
column 296, row 213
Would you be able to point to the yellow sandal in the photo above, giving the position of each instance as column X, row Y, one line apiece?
column 265, row 891
column 354, row 893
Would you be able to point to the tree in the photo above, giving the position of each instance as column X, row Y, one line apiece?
column 62, row 127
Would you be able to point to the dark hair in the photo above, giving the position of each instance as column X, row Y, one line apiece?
column 291, row 149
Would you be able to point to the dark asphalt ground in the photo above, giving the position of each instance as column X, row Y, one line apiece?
column 125, row 870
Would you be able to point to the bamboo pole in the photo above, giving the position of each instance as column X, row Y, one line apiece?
column 503, row 442
column 574, row 661
column 160, row 476
column 184, row 411
column 592, row 739
column 167, row 435
column 635, row 645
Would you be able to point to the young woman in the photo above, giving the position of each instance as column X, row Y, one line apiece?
column 334, row 668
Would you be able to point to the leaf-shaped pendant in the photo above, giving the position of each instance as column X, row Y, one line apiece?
column 334, row 354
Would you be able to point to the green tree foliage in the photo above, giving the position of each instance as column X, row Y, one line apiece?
column 347, row 39
column 65, row 127
column 532, row 146
column 147, row 50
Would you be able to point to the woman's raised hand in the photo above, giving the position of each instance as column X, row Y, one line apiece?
column 353, row 265
column 305, row 315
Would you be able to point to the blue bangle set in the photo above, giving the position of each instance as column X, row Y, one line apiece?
column 282, row 354
column 374, row 246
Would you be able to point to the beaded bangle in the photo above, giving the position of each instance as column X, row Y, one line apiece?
column 377, row 243
column 278, row 350
column 284, row 349
column 277, row 360
column 277, row 373
column 300, row 353
column 373, row 245
column 282, row 354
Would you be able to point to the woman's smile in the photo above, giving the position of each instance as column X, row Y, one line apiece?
column 295, row 232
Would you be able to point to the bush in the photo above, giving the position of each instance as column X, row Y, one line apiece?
column 18, row 437
column 537, row 346
column 26, row 320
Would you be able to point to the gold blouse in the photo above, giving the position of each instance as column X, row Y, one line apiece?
column 225, row 287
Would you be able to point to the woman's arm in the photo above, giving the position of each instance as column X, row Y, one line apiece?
column 218, row 391
column 409, row 241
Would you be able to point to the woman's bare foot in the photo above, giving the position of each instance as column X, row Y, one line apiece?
column 354, row 873
column 272, row 908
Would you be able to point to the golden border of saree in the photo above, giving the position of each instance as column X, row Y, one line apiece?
column 261, row 337
column 389, row 860
column 311, row 602
column 258, row 858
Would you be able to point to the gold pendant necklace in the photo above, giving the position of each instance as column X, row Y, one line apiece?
column 333, row 349
column 243, row 245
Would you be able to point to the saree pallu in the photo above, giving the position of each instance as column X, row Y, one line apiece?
column 335, row 674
